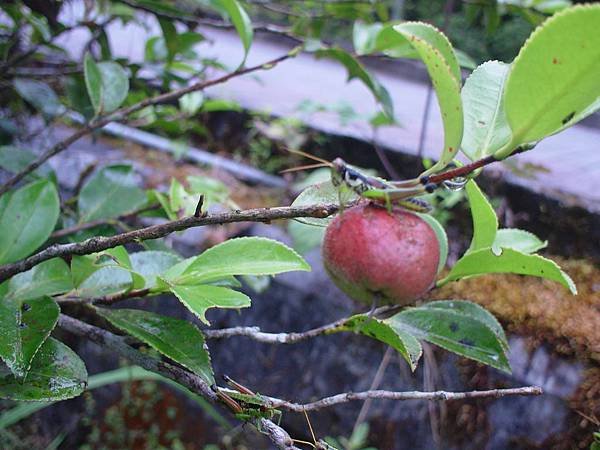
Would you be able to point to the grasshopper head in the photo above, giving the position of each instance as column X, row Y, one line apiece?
column 338, row 171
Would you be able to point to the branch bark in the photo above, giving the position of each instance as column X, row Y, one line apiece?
column 394, row 395
column 194, row 383
column 124, row 112
column 99, row 243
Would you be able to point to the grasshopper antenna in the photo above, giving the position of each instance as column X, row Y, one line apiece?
column 308, row 166
column 312, row 433
column 309, row 156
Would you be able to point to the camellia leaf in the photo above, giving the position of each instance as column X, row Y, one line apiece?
column 56, row 373
column 364, row 36
column 115, row 85
column 107, row 84
column 472, row 310
column 47, row 278
column 25, row 326
column 177, row 339
column 509, row 261
column 555, row 76
column 234, row 11
column 109, row 193
column 14, row 159
column 357, row 70
column 93, row 82
column 486, row 128
column 319, row 193
column 520, row 240
column 27, row 218
column 439, row 58
column 457, row 331
column 201, row 297
column 243, row 256
column 151, row 264
column 442, row 238
column 485, row 221
column 401, row 341
column 41, row 96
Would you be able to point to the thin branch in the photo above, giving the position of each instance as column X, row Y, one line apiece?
column 394, row 395
column 113, row 343
column 122, row 113
column 472, row 167
column 106, row 299
column 99, row 243
column 291, row 338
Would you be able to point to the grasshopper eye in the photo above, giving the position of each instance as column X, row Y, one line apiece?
column 352, row 178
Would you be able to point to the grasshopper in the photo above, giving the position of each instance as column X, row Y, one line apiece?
column 245, row 404
column 348, row 179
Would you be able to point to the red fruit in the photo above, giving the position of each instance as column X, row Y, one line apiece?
column 372, row 253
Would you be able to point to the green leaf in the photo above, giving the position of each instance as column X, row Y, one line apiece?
column 442, row 238
column 109, row 193
column 41, row 96
column 105, row 281
column 486, row 128
column 472, row 310
column 93, row 82
column 509, row 261
column 191, row 103
column 115, row 85
column 520, row 240
column 233, row 10
column 177, row 339
column 151, row 264
column 57, row 373
column 305, row 237
column 364, row 36
column 439, row 58
column 454, row 330
column 404, row 343
column 357, row 70
column 27, row 218
column 24, row 326
column 199, row 298
column 14, row 159
column 107, row 84
column 47, row 278
column 555, row 76
column 243, row 256
column 170, row 37
column 323, row 193
column 485, row 221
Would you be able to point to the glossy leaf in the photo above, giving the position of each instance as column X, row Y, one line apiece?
column 305, row 237
column 472, row 310
column 47, row 278
column 14, row 159
column 151, row 264
column 56, row 373
column 243, row 256
column 439, row 58
column 485, row 221
column 27, row 218
column 109, row 193
column 115, row 85
column 41, row 96
column 509, row 261
column 520, row 240
column 455, row 331
column 486, row 128
column 403, row 342
column 24, row 326
column 324, row 193
column 201, row 297
column 357, row 70
column 177, row 339
column 555, row 76
column 93, row 82
column 105, row 281
column 364, row 36
column 442, row 238
column 234, row 11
